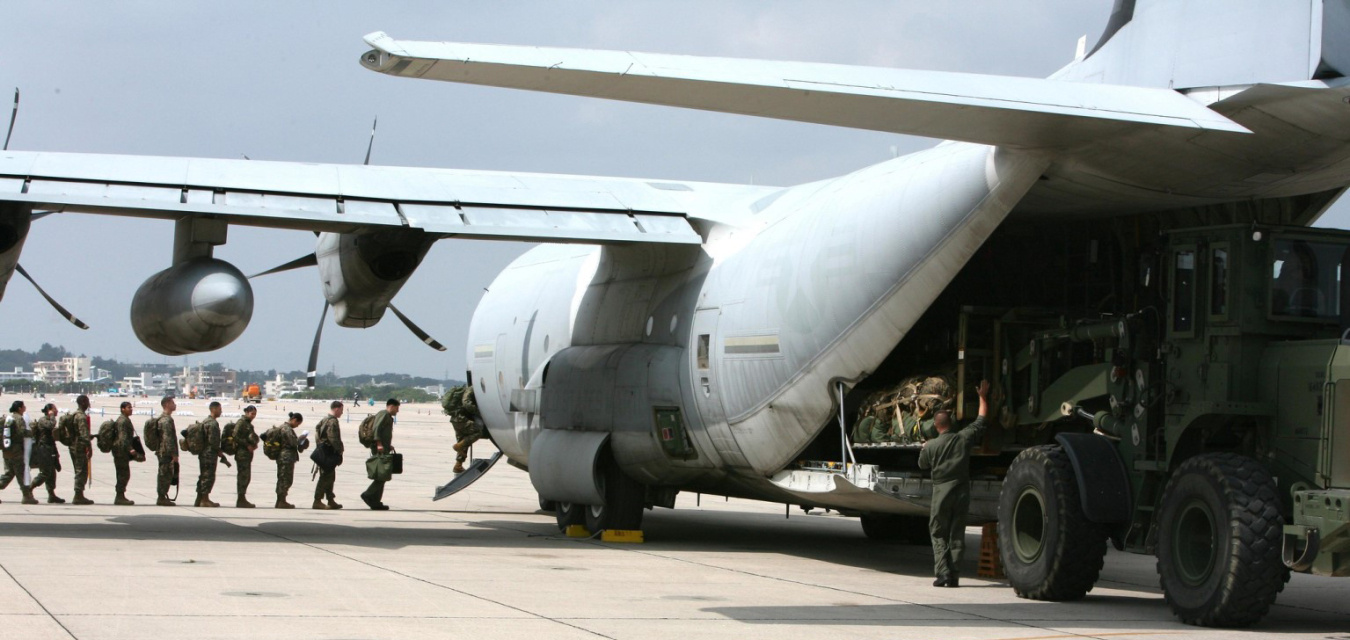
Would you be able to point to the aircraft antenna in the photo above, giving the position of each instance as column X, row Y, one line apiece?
column 13, row 115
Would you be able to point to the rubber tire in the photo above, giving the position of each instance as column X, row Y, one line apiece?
column 624, row 502
column 1245, row 571
column 547, row 505
column 1071, row 549
column 886, row 527
column 568, row 514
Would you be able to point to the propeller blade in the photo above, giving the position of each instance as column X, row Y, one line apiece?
column 421, row 335
column 310, row 260
column 60, row 309
column 13, row 115
column 371, row 144
column 38, row 215
column 313, row 370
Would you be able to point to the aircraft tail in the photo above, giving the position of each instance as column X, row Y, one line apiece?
column 1187, row 44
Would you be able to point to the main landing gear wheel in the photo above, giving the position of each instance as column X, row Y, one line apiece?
column 569, row 514
column 1050, row 551
column 1219, row 541
column 895, row 528
column 624, row 502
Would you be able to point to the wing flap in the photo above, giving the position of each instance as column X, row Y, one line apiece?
column 1026, row 113
column 340, row 198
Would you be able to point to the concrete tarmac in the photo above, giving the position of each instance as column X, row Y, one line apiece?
column 486, row 564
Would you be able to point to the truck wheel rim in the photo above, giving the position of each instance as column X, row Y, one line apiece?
column 1195, row 539
column 1029, row 525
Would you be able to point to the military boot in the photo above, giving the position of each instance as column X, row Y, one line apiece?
column 80, row 499
column 241, row 503
column 122, row 501
column 164, row 501
column 458, row 446
column 207, row 502
column 28, row 496
column 52, row 498
column 318, row 504
column 333, row 505
column 282, row 504
column 459, row 467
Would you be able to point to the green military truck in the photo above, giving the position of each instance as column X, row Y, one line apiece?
column 1204, row 419
column 1220, row 427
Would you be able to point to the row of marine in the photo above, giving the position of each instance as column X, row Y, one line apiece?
column 903, row 414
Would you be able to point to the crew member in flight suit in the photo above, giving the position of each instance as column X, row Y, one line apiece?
column 948, row 456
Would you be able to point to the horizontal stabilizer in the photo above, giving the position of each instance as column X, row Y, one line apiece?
column 1024, row 113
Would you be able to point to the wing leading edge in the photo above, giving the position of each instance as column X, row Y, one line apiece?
column 1025, row 113
column 342, row 198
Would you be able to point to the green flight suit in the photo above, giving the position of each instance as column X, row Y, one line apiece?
column 81, row 451
column 44, row 456
column 166, row 453
column 245, row 441
column 209, row 457
column 948, row 455
column 384, row 435
column 122, row 452
column 327, row 432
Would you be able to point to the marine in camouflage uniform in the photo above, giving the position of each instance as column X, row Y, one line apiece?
column 81, row 449
column 289, row 442
column 383, row 427
column 207, row 459
column 167, row 452
column 45, row 456
column 123, row 450
column 948, row 455
column 15, row 430
column 245, row 443
column 464, row 417
column 328, row 432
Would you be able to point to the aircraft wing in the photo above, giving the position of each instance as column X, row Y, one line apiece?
column 1026, row 113
column 343, row 198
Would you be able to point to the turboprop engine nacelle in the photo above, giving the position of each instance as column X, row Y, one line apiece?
column 198, row 305
column 362, row 272
column 14, row 222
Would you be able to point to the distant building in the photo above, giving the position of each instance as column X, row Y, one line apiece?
column 207, row 384
column 64, row 371
column 280, row 386
column 17, row 374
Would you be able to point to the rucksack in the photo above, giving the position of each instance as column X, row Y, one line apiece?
column 227, row 438
column 194, row 439
column 66, row 428
column 366, row 432
column 154, row 436
column 107, row 436
column 272, row 443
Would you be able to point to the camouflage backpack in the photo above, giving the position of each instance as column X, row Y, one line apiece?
column 153, row 436
column 107, row 436
column 272, row 443
column 66, row 428
column 366, row 432
column 194, row 439
column 227, row 438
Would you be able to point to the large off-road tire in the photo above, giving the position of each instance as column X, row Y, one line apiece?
column 568, row 514
column 888, row 527
column 624, row 502
column 1219, row 536
column 1050, row 550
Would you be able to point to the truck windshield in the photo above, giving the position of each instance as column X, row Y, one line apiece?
column 1306, row 279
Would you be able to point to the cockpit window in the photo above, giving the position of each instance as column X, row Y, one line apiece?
column 1306, row 279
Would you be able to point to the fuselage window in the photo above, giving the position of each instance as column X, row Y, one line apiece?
column 703, row 345
column 1183, row 292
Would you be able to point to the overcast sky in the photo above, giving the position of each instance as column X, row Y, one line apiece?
column 281, row 81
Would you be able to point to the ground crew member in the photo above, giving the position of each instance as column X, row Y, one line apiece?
column 15, row 432
column 124, row 449
column 287, row 457
column 210, row 455
column 167, row 452
column 245, row 443
column 468, row 426
column 948, row 455
column 383, row 426
column 45, row 457
column 81, row 449
column 328, row 433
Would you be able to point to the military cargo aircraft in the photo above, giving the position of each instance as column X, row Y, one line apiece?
column 685, row 336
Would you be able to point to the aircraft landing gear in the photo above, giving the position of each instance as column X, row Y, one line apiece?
column 624, row 502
